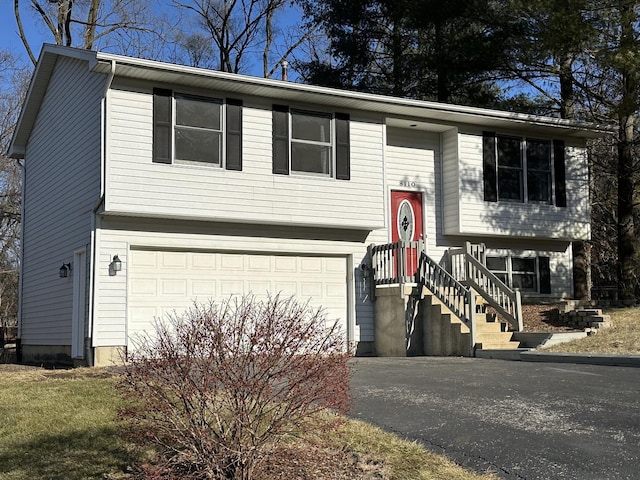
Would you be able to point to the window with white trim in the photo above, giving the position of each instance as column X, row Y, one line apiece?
column 310, row 142
column 199, row 130
column 528, row 274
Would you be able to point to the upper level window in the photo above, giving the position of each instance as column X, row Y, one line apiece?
column 523, row 169
column 310, row 142
column 198, row 129
column 194, row 129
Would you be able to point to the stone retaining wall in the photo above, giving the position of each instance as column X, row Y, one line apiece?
column 588, row 319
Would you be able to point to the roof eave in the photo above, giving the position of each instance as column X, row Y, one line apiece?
column 385, row 105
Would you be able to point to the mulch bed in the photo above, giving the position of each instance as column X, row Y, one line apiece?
column 543, row 318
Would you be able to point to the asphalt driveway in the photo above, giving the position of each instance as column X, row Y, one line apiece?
column 520, row 420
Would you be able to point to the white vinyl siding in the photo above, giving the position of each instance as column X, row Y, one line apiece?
column 62, row 184
column 450, row 183
column 413, row 163
column 136, row 186
column 512, row 219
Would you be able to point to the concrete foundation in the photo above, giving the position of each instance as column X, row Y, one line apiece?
column 406, row 325
column 46, row 355
column 109, row 356
column 395, row 322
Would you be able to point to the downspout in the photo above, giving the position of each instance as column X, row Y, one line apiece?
column 21, row 271
column 94, row 214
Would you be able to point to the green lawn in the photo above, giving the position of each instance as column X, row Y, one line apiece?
column 58, row 425
column 62, row 425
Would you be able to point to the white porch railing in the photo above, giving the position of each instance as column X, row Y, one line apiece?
column 403, row 263
column 458, row 298
column 395, row 263
column 468, row 266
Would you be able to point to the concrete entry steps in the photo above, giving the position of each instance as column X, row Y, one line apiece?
column 410, row 324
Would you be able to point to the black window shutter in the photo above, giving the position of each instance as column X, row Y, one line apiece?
column 162, row 130
column 545, row 274
column 559, row 171
column 489, row 171
column 343, row 155
column 281, row 139
column 234, row 135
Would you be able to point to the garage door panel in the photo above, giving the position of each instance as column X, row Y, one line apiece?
column 174, row 260
column 174, row 287
column 335, row 290
column 203, row 261
column 162, row 283
column 206, row 288
column 234, row 263
column 334, row 265
column 144, row 287
column 259, row 263
column 258, row 288
column 144, row 258
column 285, row 264
column 231, row 287
column 311, row 265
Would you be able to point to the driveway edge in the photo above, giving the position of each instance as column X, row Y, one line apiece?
column 582, row 358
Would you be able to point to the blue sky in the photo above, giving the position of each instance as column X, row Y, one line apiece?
column 9, row 39
column 37, row 33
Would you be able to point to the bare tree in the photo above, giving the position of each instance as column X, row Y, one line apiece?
column 83, row 23
column 239, row 29
column 14, row 80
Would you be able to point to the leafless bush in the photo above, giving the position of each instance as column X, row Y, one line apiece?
column 219, row 386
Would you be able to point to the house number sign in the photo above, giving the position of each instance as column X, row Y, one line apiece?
column 407, row 183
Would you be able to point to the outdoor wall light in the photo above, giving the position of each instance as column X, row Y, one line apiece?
column 116, row 264
column 366, row 270
column 65, row 269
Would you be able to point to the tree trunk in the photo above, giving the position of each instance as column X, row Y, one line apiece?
column 627, row 239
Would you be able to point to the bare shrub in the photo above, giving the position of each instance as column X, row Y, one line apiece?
column 219, row 386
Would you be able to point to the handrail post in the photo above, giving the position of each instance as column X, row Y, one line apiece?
column 471, row 302
column 372, row 274
column 400, row 262
column 519, row 311
column 467, row 264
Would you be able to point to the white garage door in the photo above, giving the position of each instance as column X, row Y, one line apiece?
column 163, row 282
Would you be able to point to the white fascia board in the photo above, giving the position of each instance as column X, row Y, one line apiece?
column 296, row 92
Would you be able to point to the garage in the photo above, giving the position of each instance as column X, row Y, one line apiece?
column 163, row 282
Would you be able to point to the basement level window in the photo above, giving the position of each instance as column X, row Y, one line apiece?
column 527, row 274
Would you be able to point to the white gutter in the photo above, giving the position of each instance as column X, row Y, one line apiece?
column 104, row 142
column 246, row 84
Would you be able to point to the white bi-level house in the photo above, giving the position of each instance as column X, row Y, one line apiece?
column 149, row 186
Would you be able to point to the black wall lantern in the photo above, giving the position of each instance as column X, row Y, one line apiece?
column 115, row 265
column 65, row 269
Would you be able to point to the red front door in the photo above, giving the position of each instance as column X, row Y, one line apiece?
column 406, row 225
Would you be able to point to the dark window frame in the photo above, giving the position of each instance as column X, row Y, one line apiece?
column 165, row 110
column 541, row 272
column 525, row 172
column 339, row 165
